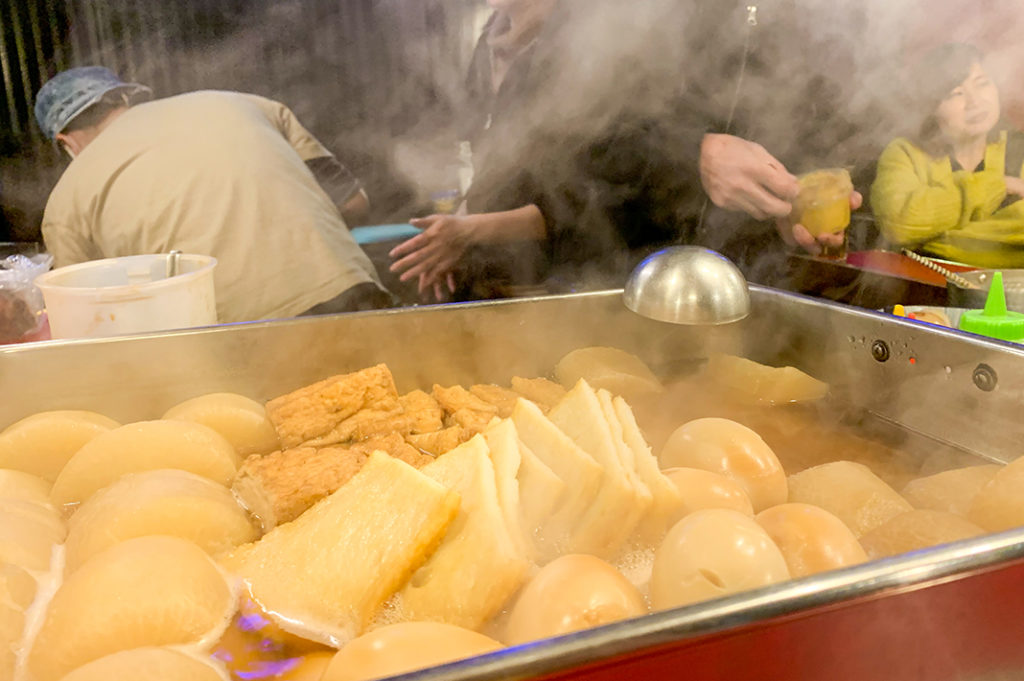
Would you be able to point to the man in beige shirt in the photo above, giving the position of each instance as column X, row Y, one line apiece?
column 217, row 173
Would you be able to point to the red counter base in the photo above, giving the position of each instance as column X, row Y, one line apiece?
column 970, row 628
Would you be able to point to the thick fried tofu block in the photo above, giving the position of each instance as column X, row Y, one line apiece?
column 425, row 413
column 542, row 392
column 334, row 566
column 279, row 487
column 463, row 408
column 502, row 398
column 441, row 441
column 317, row 410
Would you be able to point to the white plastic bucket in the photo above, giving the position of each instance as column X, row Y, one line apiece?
column 127, row 295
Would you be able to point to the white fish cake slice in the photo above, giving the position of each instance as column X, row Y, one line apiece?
column 617, row 508
column 42, row 443
column 570, row 463
column 503, row 445
column 540, row 490
column 665, row 498
column 327, row 573
column 479, row 566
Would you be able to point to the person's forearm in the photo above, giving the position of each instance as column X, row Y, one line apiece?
column 520, row 224
column 356, row 210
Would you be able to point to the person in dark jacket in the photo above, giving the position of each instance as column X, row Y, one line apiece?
column 570, row 190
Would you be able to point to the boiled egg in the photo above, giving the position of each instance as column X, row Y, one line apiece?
column 811, row 539
column 713, row 553
column 701, row 489
column 405, row 647
column 730, row 449
column 571, row 593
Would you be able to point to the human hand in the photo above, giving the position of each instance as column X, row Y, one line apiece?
column 431, row 256
column 797, row 235
column 742, row 176
column 1014, row 185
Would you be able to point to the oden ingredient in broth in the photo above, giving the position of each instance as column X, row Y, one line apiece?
column 453, row 541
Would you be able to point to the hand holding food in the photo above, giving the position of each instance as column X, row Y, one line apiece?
column 739, row 175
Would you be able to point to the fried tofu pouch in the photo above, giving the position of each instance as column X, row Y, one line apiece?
column 279, row 487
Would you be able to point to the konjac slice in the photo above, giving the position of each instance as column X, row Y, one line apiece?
column 144, row 446
column 479, row 565
column 335, row 565
column 242, row 421
column 850, row 491
column 42, row 443
column 763, row 384
column 170, row 502
column 951, row 491
column 147, row 664
column 149, row 591
column 917, row 529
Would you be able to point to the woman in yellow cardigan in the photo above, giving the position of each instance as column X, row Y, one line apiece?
column 956, row 190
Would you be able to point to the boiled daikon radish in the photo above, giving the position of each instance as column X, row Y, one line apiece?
column 169, row 502
column 611, row 369
column 28, row 534
column 849, row 491
column 730, row 449
column 148, row 664
column 713, row 553
column 149, row 591
column 999, row 505
column 811, row 539
column 148, row 445
column 243, row 422
column 24, row 487
column 917, row 529
column 951, row 491
column 42, row 443
column 17, row 591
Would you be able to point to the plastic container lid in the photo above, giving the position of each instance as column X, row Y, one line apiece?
column 994, row 321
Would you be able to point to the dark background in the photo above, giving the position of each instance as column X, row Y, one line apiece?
column 365, row 76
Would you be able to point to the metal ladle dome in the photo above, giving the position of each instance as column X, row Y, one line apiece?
column 688, row 285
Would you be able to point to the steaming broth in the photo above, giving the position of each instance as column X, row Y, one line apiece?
column 801, row 435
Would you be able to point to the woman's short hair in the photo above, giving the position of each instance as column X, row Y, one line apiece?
column 932, row 79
